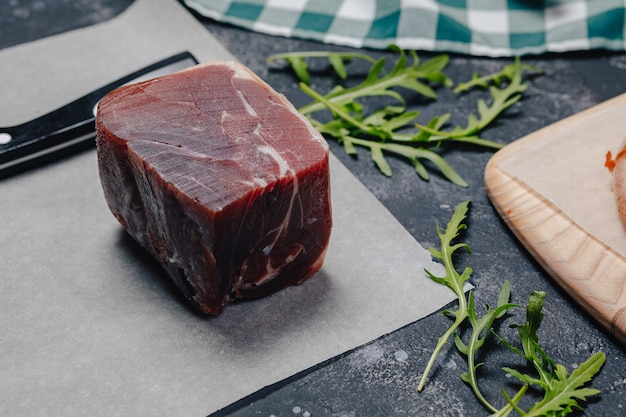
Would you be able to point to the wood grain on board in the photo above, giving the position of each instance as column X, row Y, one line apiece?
column 553, row 191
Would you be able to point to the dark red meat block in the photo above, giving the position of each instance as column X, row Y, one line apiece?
column 219, row 178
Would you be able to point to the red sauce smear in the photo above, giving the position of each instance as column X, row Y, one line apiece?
column 609, row 162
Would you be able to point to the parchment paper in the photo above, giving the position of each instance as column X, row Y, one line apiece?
column 564, row 163
column 91, row 326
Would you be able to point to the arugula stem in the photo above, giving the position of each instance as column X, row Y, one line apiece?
column 473, row 140
column 511, row 403
column 473, row 346
column 337, row 111
column 320, row 54
column 440, row 344
column 349, row 95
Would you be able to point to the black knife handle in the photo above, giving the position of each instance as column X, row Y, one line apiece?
column 65, row 130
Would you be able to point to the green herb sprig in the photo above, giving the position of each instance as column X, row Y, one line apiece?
column 393, row 129
column 377, row 132
column 379, row 83
column 452, row 279
column 481, row 326
column 466, row 311
column 563, row 392
column 298, row 62
column 505, row 74
column 502, row 99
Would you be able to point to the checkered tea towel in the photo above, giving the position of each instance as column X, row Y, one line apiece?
column 476, row 27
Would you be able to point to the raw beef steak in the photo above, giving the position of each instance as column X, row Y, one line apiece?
column 219, row 178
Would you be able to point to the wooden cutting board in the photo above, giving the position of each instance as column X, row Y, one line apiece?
column 553, row 191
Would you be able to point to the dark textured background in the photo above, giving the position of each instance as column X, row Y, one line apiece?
column 379, row 379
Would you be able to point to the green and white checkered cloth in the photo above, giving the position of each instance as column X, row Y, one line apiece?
column 475, row 27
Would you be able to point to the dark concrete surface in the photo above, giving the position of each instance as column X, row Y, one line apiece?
column 380, row 378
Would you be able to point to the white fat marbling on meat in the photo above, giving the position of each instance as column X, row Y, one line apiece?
column 282, row 164
column 241, row 72
column 282, row 228
column 223, row 117
column 260, row 181
column 247, row 105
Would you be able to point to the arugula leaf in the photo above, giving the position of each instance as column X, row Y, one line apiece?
column 502, row 100
column 379, row 83
column 562, row 391
column 480, row 330
column 392, row 129
column 507, row 72
column 466, row 310
column 297, row 62
column 352, row 130
column 452, row 279
column 300, row 67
